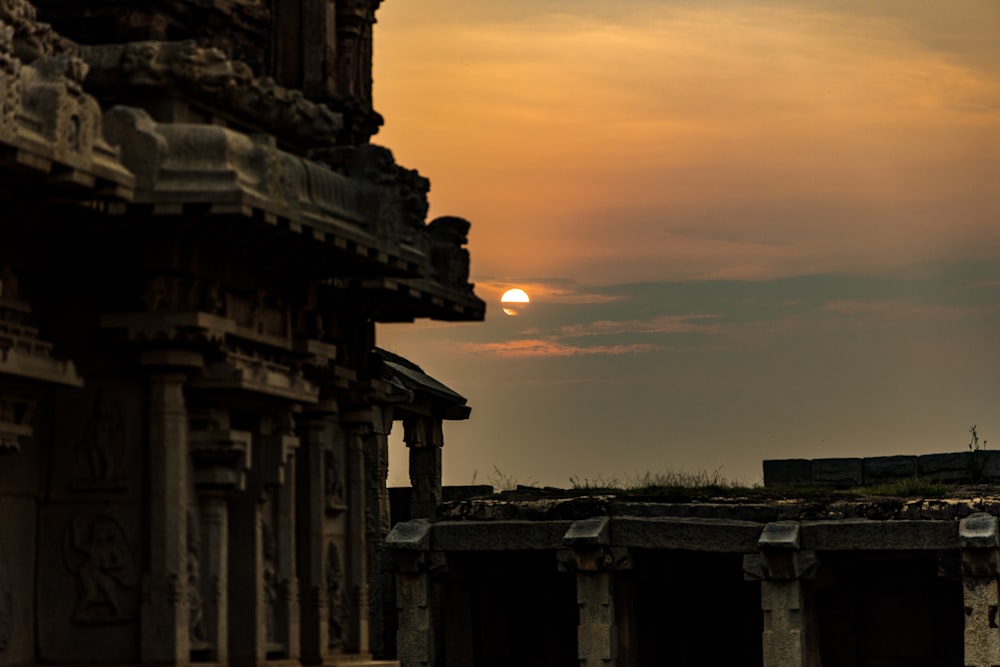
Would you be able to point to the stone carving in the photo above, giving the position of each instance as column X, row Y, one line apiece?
column 16, row 416
column 335, row 597
column 31, row 39
column 271, row 584
column 196, row 626
column 333, row 479
column 103, row 443
column 208, row 75
column 449, row 258
column 10, row 80
column 97, row 552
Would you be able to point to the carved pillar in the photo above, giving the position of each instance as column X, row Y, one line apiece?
column 788, row 623
column 596, row 565
column 409, row 543
column 165, row 615
column 279, row 448
column 313, row 490
column 377, row 468
column 424, row 437
column 358, row 518
column 978, row 537
column 221, row 458
column 248, row 597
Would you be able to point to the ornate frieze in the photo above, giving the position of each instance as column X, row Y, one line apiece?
column 208, row 76
column 47, row 123
column 23, row 353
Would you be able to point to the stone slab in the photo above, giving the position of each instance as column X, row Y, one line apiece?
column 837, row 472
column 870, row 535
column 952, row 467
column 882, row 469
column 783, row 472
column 686, row 534
column 498, row 535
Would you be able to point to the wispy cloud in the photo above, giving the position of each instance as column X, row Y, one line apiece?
column 554, row 348
column 666, row 324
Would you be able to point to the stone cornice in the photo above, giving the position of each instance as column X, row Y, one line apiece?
column 208, row 76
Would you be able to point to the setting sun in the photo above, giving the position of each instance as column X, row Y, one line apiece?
column 513, row 300
column 515, row 296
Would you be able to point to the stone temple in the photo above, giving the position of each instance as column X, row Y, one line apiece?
column 197, row 240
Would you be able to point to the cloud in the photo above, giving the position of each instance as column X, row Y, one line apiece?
column 666, row 324
column 688, row 140
column 554, row 348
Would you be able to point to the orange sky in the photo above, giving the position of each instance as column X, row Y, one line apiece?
column 596, row 144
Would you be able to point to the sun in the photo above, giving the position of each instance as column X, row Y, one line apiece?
column 514, row 301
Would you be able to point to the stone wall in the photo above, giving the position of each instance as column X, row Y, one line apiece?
column 958, row 467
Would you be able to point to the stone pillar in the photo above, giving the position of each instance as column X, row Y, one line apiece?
column 588, row 553
column 424, row 437
column 377, row 468
column 409, row 543
column 279, row 477
column 780, row 567
column 313, row 491
column 221, row 458
column 359, row 518
column 978, row 538
column 165, row 634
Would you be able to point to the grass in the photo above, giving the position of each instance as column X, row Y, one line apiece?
column 692, row 485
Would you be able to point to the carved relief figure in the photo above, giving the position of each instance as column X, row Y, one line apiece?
column 335, row 597
column 97, row 552
column 103, row 441
column 270, row 581
column 333, row 479
column 196, row 627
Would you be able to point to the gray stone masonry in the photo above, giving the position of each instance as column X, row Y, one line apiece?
column 954, row 467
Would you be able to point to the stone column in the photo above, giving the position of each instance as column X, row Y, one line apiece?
column 424, row 437
column 409, row 543
column 360, row 516
column 221, row 458
column 279, row 472
column 780, row 567
column 165, row 617
column 313, row 491
column 596, row 564
column 377, row 468
column 978, row 538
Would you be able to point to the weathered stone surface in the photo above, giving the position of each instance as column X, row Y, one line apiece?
column 690, row 534
column 787, row 471
column 837, row 472
column 498, row 535
column 868, row 535
column 979, row 531
column 588, row 532
column 946, row 467
column 412, row 535
column 780, row 535
column 881, row 469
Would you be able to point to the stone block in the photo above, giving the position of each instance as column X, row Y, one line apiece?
column 780, row 535
column 782, row 472
column 954, row 467
column 710, row 535
column 410, row 535
column 989, row 464
column 869, row 535
column 882, row 469
column 837, row 472
column 587, row 532
column 978, row 531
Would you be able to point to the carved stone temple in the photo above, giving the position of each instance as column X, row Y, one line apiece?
column 197, row 239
